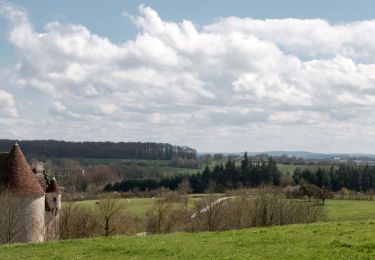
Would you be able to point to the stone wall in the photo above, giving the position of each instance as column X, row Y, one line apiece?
column 21, row 218
column 53, row 206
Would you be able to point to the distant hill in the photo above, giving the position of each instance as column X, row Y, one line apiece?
column 121, row 150
column 320, row 156
column 310, row 155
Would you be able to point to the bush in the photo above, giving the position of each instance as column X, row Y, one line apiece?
column 80, row 221
column 244, row 209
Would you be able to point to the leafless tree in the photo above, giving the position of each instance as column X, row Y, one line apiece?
column 10, row 217
column 108, row 209
column 184, row 189
column 168, row 215
column 209, row 214
column 77, row 221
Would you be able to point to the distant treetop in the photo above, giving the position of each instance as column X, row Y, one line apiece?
column 121, row 150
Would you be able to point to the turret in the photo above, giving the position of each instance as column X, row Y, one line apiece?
column 53, row 206
column 22, row 197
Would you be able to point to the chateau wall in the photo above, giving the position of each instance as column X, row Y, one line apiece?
column 34, row 220
column 53, row 205
column 21, row 218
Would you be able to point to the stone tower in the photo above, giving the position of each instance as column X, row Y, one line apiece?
column 23, row 202
column 53, row 204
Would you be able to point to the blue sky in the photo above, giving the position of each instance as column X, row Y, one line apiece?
column 215, row 75
column 101, row 16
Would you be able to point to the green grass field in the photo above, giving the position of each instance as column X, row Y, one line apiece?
column 147, row 165
column 350, row 210
column 336, row 240
column 353, row 237
column 286, row 168
column 335, row 210
column 164, row 166
column 138, row 206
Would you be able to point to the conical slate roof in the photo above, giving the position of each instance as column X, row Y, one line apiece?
column 3, row 168
column 52, row 186
column 16, row 175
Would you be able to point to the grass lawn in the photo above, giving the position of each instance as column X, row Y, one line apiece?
column 139, row 206
column 285, row 168
column 335, row 240
column 336, row 210
column 347, row 234
column 347, row 210
column 136, row 206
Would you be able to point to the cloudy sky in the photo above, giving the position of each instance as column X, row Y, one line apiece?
column 222, row 76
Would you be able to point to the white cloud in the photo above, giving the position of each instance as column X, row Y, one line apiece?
column 7, row 104
column 236, row 78
column 107, row 109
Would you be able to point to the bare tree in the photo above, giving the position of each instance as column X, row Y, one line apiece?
column 109, row 208
column 66, row 215
column 168, row 216
column 158, row 215
column 184, row 189
column 210, row 214
column 10, row 217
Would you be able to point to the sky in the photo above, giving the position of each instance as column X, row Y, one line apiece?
column 218, row 76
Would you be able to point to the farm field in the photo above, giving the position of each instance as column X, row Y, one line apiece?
column 350, row 210
column 146, row 165
column 137, row 206
column 166, row 168
column 335, row 240
column 335, row 210
column 287, row 168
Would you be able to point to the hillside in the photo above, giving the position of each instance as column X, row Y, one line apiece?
column 337, row 240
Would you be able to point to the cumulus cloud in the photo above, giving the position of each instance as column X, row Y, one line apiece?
column 7, row 105
column 234, row 78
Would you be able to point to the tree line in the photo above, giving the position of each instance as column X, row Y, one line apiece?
column 252, row 174
column 224, row 176
column 355, row 178
column 121, row 150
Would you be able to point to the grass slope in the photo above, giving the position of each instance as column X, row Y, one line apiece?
column 336, row 240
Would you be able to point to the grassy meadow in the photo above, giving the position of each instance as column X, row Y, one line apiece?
column 347, row 232
column 335, row 210
column 138, row 206
column 350, row 210
column 334, row 240
column 167, row 169
column 286, row 168
column 146, row 165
